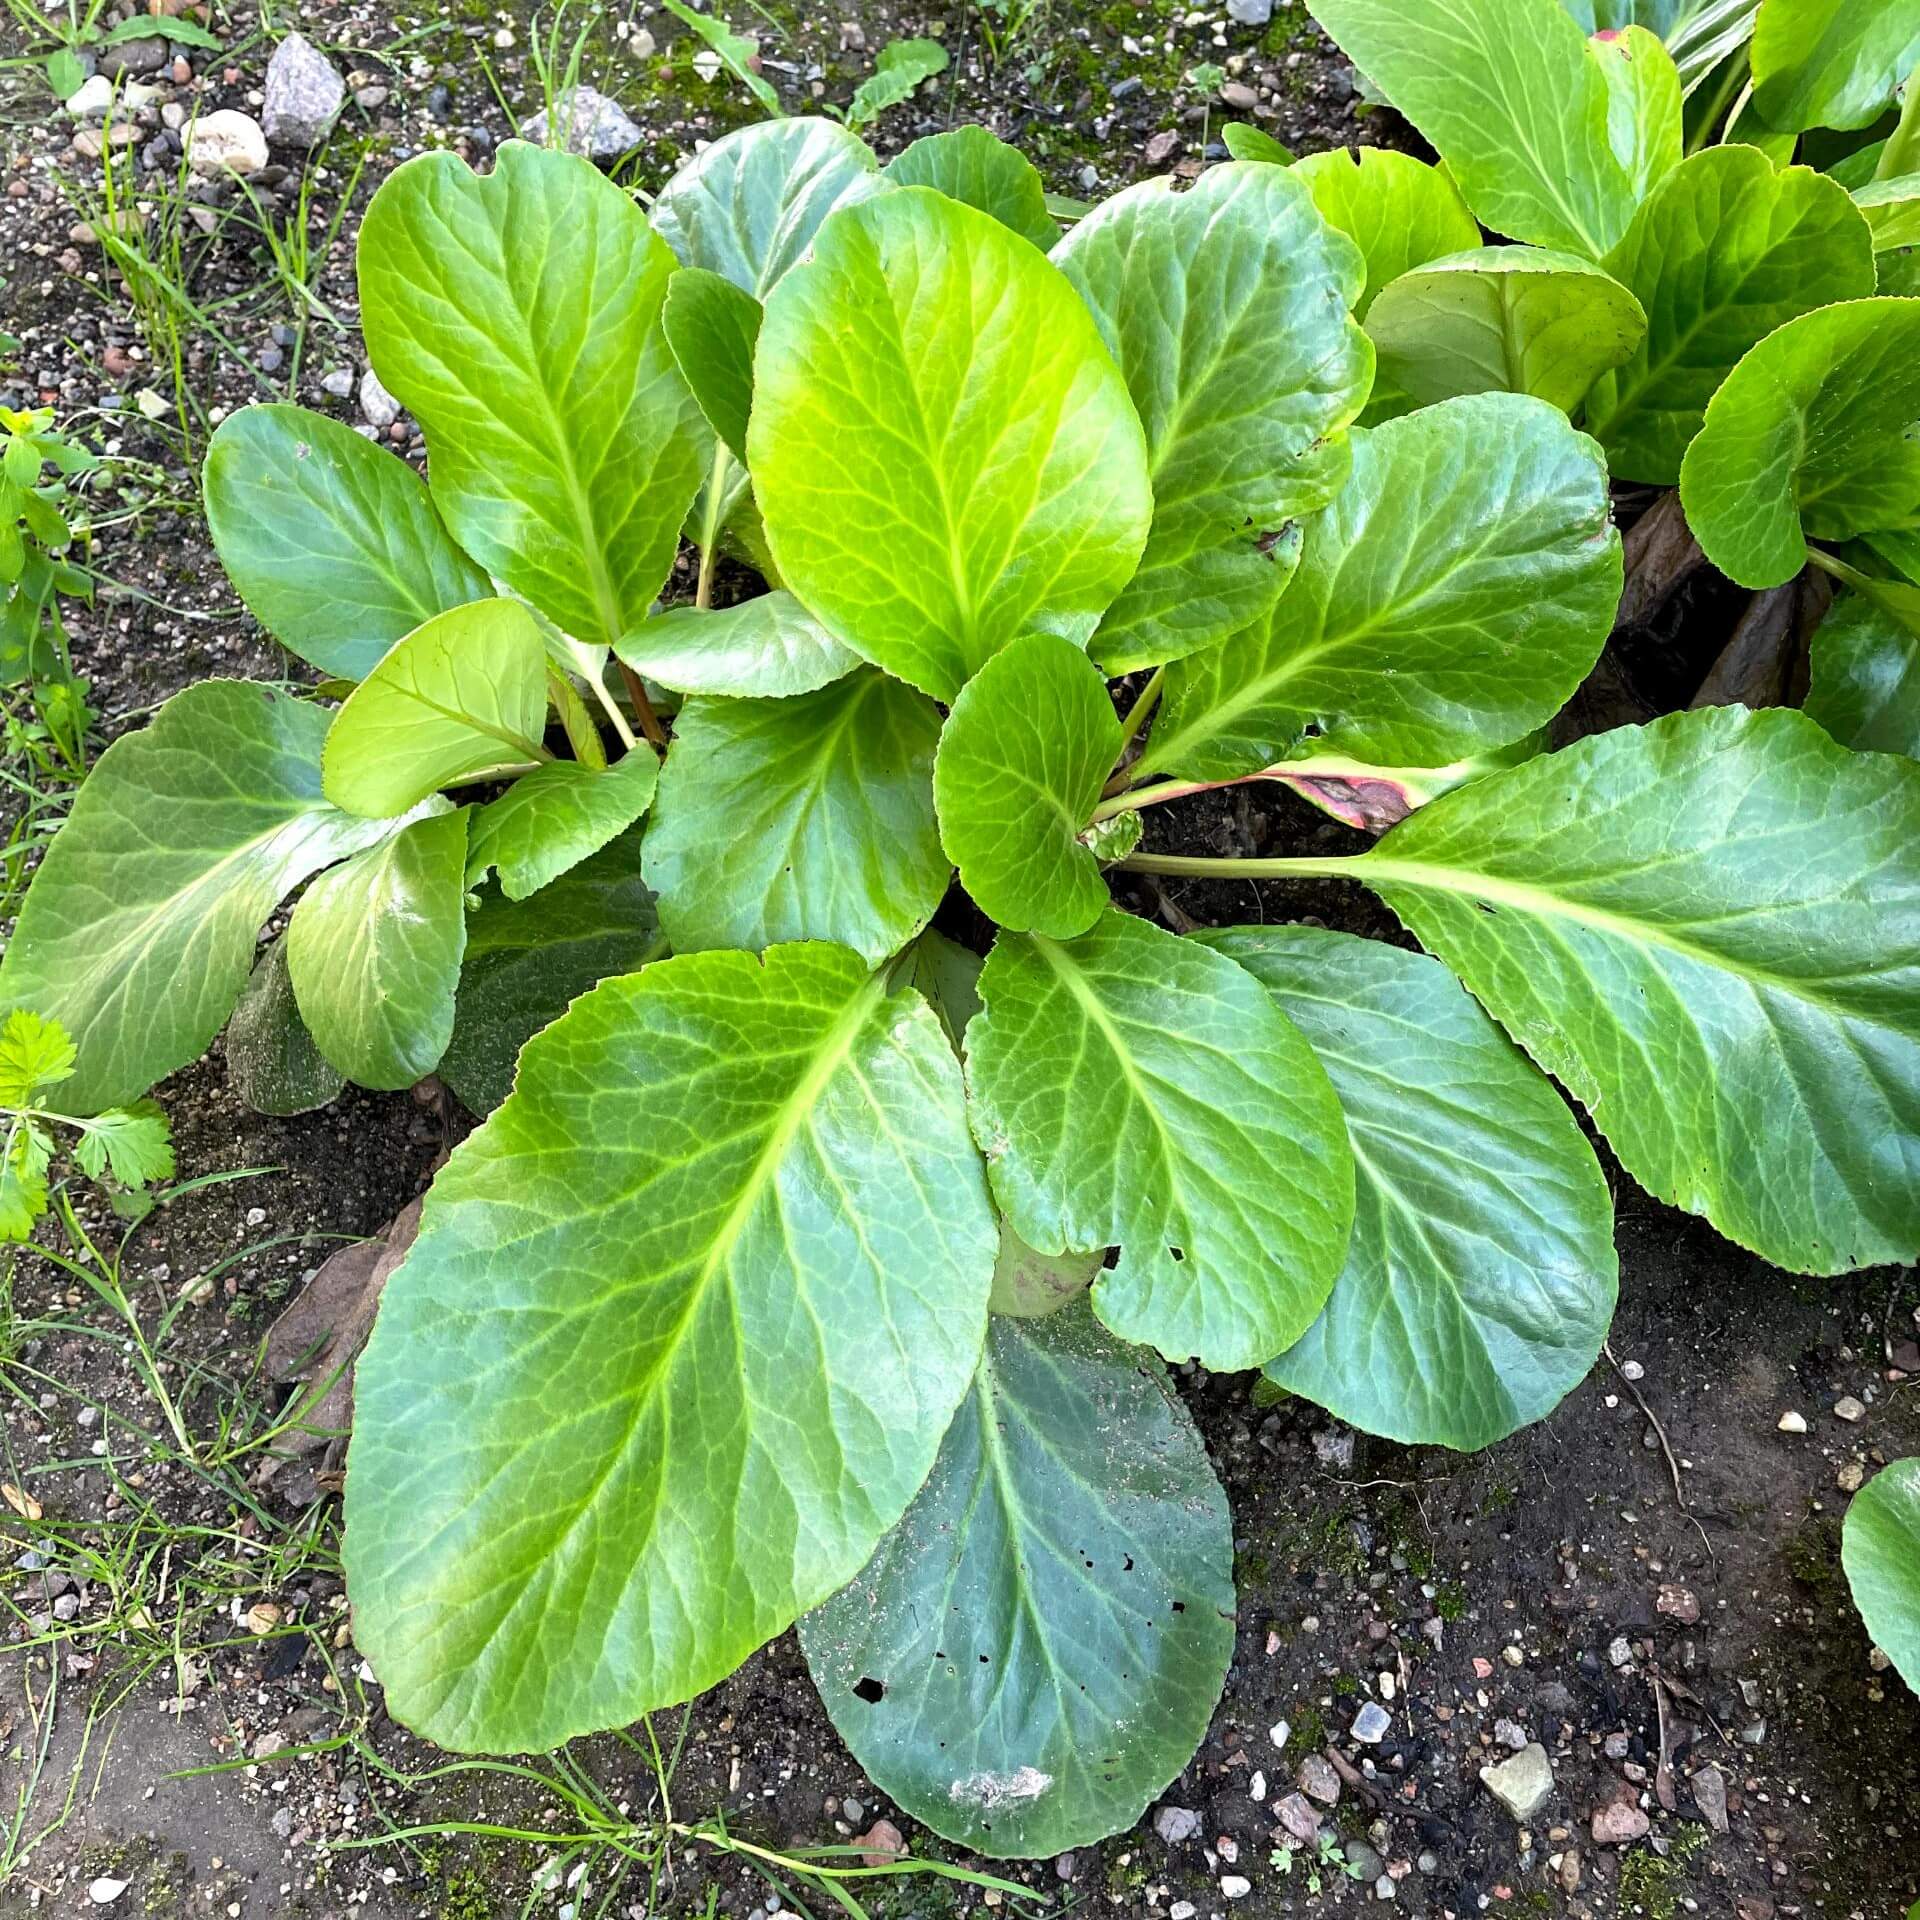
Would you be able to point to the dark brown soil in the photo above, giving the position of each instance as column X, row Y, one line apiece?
column 1522, row 1584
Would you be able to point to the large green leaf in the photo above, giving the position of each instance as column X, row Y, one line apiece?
column 374, row 950
column 1645, row 105
column 1022, row 759
column 271, row 1059
column 1451, row 599
column 803, row 819
column 970, row 164
column 1135, row 1090
column 138, row 931
column 462, row 698
column 675, row 1347
column 1400, row 212
column 1504, row 320
column 553, row 818
column 1481, row 1276
column 1831, row 63
column 1051, row 1622
column 1708, row 930
column 770, row 646
column 1226, row 308
column 711, row 327
column 526, row 961
column 518, row 317
column 749, row 206
column 1812, row 435
column 333, row 544
column 1865, row 673
column 1513, row 98
column 1723, row 252
column 944, row 454
column 1880, row 1549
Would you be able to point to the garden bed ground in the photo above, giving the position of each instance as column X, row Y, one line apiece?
column 165, row 1618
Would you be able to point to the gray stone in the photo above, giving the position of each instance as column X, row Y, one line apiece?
column 1524, row 1784
column 1236, row 93
column 1511, row 1734
column 1710, row 1796
column 148, row 54
column 339, row 382
column 586, row 122
column 304, row 94
column 1176, row 1824
column 1333, row 1447
column 1385, row 1889
column 1371, row 1723
column 376, row 403
column 1319, row 1781
column 1618, row 1823
column 1250, row 13
column 1298, row 1819
column 1365, row 1861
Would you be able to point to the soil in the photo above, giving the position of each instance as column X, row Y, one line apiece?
column 1556, row 1581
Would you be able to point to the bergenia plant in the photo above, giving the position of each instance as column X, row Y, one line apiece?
column 821, row 1252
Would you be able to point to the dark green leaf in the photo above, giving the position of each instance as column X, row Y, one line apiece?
column 271, row 1059
column 1866, row 678
column 970, row 165
column 769, row 647
column 1052, row 1620
column 711, row 327
column 553, row 818
column 1880, row 1549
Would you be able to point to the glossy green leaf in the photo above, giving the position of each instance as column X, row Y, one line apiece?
column 711, row 327
column 1481, row 1277
column 1865, row 678
column 1831, row 63
column 1135, row 1090
column 138, row 932
column 1708, row 930
column 553, row 818
column 517, row 316
column 768, row 647
column 1892, row 211
column 1226, row 309
column 271, row 1059
column 332, row 543
column 1880, row 1549
column 898, row 68
column 1450, row 600
column 1513, row 99
column 374, row 949
column 1251, row 143
column 825, row 805
column 462, row 698
column 1644, row 104
column 1725, row 251
column 526, row 961
column 1051, row 1622
column 648, row 1388
column 1812, row 435
column 1609, row 16
column 748, row 207
column 1400, row 212
column 944, row 454
column 969, row 164
column 1504, row 320
column 1022, row 758
column 736, row 52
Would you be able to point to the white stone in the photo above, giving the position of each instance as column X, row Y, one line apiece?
column 226, row 142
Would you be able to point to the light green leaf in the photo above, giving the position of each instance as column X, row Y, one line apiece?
column 1880, row 1549
column 1708, row 930
column 1892, row 210
column 1052, row 1620
column 553, row 818
column 943, row 452
column 970, row 165
column 332, row 543
column 1504, row 320
column 138, row 931
column 1810, row 436
column 1644, row 104
column 23, row 1201
column 462, row 698
column 711, row 327
column 1723, row 252
column 1397, row 210
column 130, row 1143
column 900, row 66
column 1250, row 143
column 713, row 1364
column 1450, row 600
column 1831, row 63
column 374, row 949
column 770, row 647
column 827, row 803
column 35, row 1054
column 518, row 317
column 1226, row 308
column 1481, row 1277
column 948, row 976
column 1022, row 759
column 1609, row 16
column 1029, row 1285
column 527, row 960
column 1513, row 98
column 1866, row 678
column 748, row 207
column 1135, row 1090
column 271, row 1059
column 737, row 53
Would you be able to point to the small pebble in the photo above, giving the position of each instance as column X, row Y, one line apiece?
column 1793, row 1423
column 1235, row 1886
column 1371, row 1723
column 1849, row 1409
